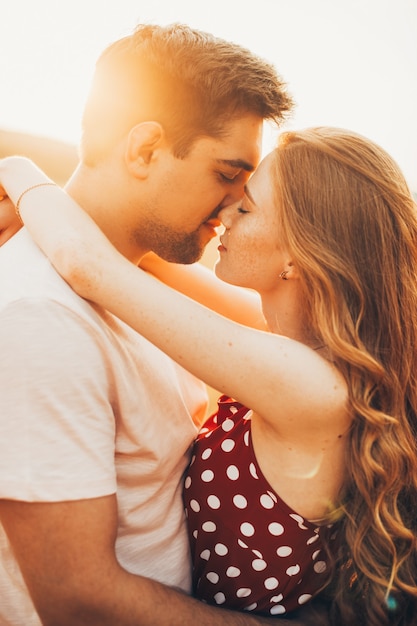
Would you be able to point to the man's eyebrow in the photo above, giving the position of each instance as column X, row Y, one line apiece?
column 238, row 164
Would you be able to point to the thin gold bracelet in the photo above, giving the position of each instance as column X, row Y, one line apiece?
column 24, row 192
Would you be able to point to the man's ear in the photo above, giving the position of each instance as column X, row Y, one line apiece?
column 142, row 143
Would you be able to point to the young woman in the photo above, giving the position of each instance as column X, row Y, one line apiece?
column 307, row 475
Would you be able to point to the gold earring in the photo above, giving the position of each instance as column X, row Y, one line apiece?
column 283, row 275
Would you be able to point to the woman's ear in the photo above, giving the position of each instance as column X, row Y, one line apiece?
column 142, row 143
column 292, row 269
column 289, row 272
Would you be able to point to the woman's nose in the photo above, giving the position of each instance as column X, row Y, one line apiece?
column 225, row 215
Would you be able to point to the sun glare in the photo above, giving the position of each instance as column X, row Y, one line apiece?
column 348, row 64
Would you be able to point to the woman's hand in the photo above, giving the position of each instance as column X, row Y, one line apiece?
column 16, row 174
column 9, row 221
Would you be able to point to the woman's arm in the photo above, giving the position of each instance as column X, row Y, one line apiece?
column 201, row 284
column 279, row 378
column 17, row 174
column 195, row 281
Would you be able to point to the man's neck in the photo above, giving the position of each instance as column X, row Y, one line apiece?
column 89, row 188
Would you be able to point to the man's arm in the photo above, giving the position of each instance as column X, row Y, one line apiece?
column 67, row 557
column 57, row 442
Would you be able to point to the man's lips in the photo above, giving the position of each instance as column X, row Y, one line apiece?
column 214, row 222
column 221, row 247
column 211, row 226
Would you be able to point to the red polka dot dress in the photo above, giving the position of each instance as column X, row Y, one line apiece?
column 250, row 550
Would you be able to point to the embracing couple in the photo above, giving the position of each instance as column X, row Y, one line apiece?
column 303, row 485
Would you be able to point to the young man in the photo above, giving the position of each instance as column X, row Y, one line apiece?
column 95, row 423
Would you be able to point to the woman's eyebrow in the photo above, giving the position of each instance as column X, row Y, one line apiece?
column 248, row 194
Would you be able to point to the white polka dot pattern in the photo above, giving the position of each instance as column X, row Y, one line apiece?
column 251, row 552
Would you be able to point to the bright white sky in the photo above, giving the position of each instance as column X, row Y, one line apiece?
column 349, row 63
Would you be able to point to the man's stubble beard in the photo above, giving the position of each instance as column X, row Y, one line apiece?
column 170, row 245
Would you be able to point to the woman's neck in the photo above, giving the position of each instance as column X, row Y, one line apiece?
column 284, row 314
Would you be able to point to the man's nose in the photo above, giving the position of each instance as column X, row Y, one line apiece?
column 234, row 194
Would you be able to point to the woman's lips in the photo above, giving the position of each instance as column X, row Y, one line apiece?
column 221, row 247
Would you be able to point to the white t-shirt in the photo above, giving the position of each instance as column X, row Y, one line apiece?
column 89, row 408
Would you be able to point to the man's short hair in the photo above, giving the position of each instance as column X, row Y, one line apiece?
column 189, row 81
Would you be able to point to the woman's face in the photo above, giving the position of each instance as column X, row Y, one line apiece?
column 250, row 254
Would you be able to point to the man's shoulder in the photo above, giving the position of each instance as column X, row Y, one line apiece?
column 26, row 275
column 31, row 289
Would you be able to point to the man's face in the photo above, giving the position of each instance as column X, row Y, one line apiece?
column 185, row 195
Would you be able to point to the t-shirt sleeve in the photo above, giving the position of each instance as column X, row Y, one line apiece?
column 57, row 428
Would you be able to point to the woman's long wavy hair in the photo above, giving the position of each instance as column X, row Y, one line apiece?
column 350, row 223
